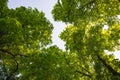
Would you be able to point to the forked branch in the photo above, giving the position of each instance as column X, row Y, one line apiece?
column 16, row 62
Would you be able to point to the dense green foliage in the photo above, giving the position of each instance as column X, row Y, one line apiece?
column 23, row 31
column 94, row 31
column 25, row 38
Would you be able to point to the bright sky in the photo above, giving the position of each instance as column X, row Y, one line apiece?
column 46, row 6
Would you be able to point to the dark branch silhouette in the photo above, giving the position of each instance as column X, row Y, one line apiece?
column 8, row 78
column 14, row 57
column 114, row 72
column 83, row 73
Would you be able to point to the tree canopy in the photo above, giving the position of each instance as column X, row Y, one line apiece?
column 94, row 31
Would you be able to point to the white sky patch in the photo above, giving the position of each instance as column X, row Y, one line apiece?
column 118, row 16
column 18, row 75
column 115, row 53
column 105, row 27
column 108, row 52
column 0, row 61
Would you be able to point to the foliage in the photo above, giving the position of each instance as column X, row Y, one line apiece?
column 22, row 32
column 89, row 43
column 25, row 38
column 50, row 64
column 87, row 36
column 75, row 11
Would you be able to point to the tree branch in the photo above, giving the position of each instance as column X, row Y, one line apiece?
column 14, row 56
column 8, row 78
column 5, row 51
column 10, row 53
column 83, row 73
column 114, row 72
